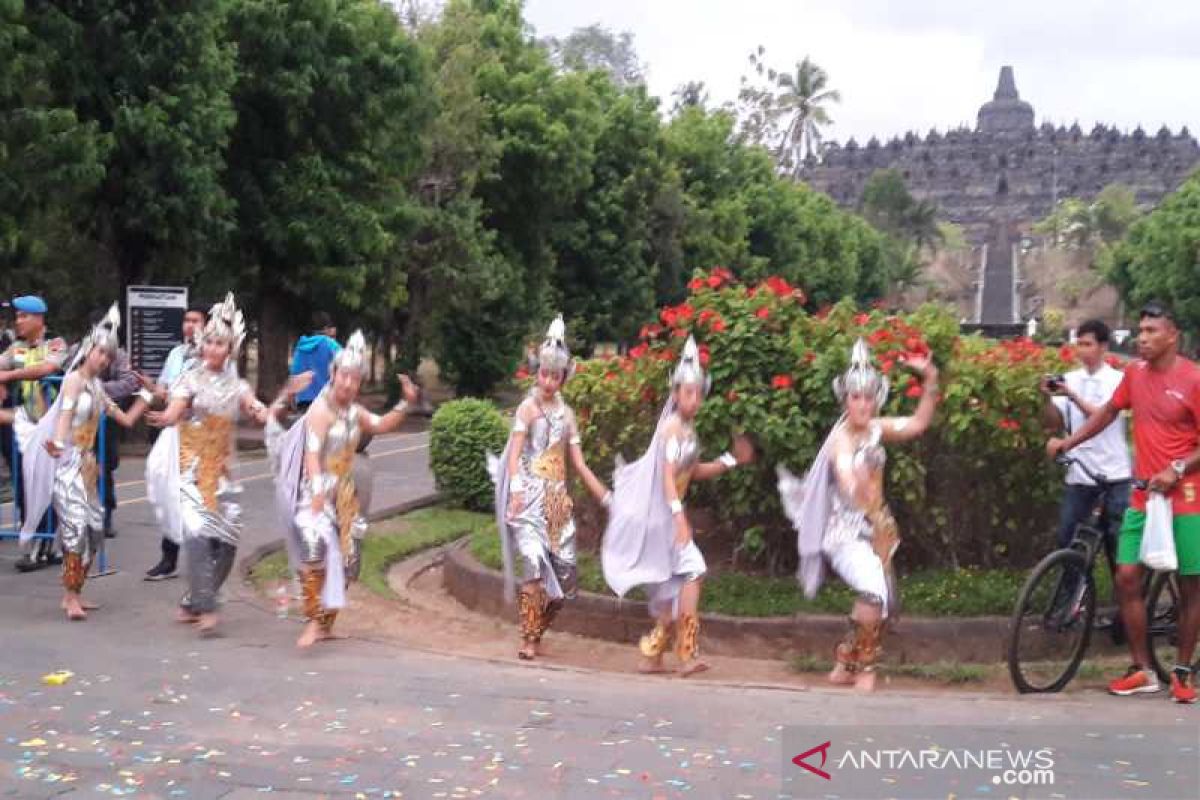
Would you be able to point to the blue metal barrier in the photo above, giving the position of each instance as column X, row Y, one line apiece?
column 13, row 530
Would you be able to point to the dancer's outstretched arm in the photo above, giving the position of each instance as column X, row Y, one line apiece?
column 740, row 452
column 392, row 420
column 904, row 429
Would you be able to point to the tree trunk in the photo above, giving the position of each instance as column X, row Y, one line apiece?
column 272, row 343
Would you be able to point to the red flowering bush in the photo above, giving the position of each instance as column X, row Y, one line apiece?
column 975, row 491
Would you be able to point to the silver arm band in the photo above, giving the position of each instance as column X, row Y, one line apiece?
column 728, row 460
column 676, row 506
column 402, row 407
column 606, row 501
column 145, row 395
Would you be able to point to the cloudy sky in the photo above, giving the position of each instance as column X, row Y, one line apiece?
column 918, row 64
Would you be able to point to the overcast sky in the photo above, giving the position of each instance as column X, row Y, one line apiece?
column 917, row 64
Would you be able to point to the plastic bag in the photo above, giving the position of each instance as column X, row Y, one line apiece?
column 1158, row 538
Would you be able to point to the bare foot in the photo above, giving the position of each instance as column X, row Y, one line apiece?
column 528, row 651
column 692, row 667
column 84, row 604
column 186, row 617
column 207, row 623
column 74, row 609
column 841, row 676
column 651, row 666
column 330, row 636
column 310, row 634
column 864, row 682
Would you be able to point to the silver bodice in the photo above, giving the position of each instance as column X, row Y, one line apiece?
column 87, row 404
column 870, row 451
column 345, row 431
column 683, row 450
column 212, row 393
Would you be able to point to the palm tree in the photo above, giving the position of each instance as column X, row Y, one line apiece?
column 804, row 97
column 922, row 225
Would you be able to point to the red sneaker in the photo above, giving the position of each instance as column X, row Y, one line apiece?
column 1183, row 688
column 1135, row 681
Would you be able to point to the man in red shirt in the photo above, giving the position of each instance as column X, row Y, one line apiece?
column 1163, row 392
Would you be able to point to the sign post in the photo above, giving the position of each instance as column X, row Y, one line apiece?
column 154, row 324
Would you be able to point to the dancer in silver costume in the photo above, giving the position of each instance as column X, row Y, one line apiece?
column 840, row 513
column 194, row 488
column 649, row 541
column 318, row 490
column 67, row 479
column 533, row 504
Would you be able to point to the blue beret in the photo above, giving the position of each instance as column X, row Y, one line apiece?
column 30, row 304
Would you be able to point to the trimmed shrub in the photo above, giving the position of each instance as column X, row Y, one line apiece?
column 461, row 434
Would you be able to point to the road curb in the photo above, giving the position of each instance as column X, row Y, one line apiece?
column 916, row 640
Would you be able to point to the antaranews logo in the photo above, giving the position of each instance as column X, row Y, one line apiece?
column 1009, row 766
column 823, row 749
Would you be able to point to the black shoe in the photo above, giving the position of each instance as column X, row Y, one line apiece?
column 110, row 533
column 28, row 564
column 53, row 559
column 160, row 572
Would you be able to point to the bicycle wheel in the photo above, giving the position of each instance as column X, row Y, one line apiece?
column 1162, row 618
column 1052, row 623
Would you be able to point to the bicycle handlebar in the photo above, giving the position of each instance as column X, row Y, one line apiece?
column 1097, row 477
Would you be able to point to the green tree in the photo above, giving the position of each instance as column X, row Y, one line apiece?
column 595, row 47
column 887, row 204
column 605, row 263
column 332, row 99
column 785, row 110
column 49, row 160
column 1159, row 258
column 1078, row 224
column 154, row 78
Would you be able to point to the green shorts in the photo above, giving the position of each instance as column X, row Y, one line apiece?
column 1187, row 540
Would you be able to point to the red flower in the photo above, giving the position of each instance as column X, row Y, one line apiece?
column 627, row 365
column 1066, row 352
column 763, row 312
column 706, row 315
column 608, row 376
column 679, row 333
column 714, row 281
column 669, row 316
column 1009, row 424
column 751, row 292
column 717, row 325
column 731, row 396
column 862, row 319
column 522, row 374
column 914, row 390
column 1114, row 361
column 778, row 286
column 887, row 365
column 685, row 312
column 705, row 356
column 881, row 335
column 781, row 382
column 696, row 284
column 639, row 351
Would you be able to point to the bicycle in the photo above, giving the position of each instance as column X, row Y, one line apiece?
column 1055, row 612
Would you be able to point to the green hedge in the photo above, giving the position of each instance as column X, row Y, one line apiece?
column 461, row 434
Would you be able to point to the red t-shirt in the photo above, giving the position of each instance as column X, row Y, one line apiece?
column 1166, row 425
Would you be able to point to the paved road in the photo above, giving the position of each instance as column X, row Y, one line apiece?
column 153, row 711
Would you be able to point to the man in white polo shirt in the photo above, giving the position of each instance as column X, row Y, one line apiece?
column 1080, row 394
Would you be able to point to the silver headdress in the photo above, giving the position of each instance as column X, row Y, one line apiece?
column 225, row 321
column 353, row 356
column 103, row 335
column 861, row 377
column 553, row 354
column 689, row 369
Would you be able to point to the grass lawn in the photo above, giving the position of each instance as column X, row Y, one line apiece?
column 958, row 593
column 390, row 541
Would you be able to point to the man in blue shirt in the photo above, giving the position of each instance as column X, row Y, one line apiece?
column 314, row 353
